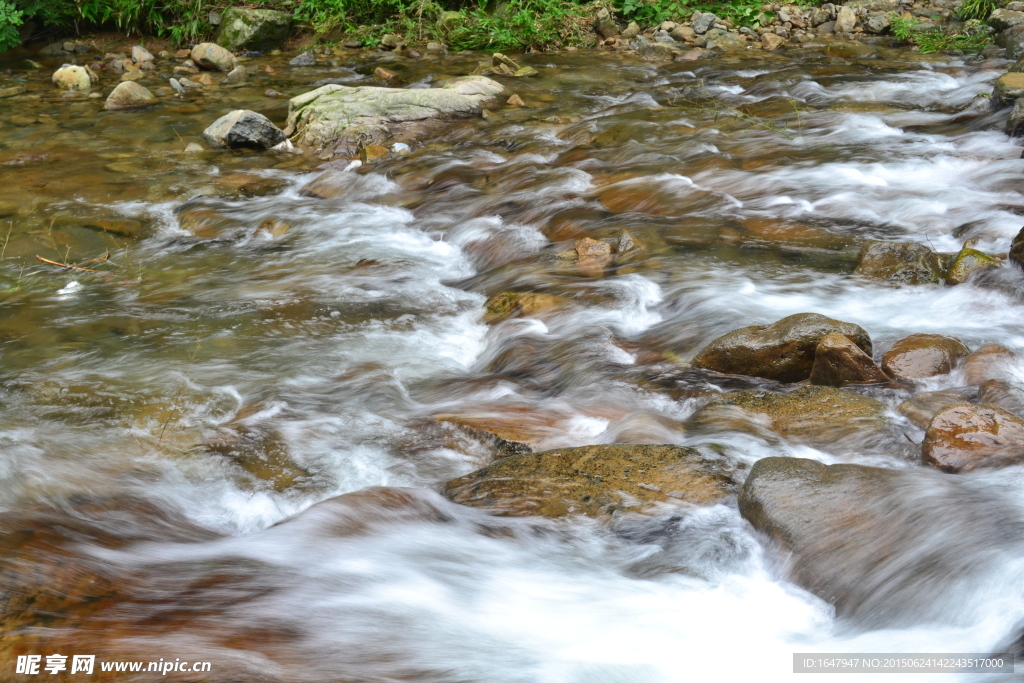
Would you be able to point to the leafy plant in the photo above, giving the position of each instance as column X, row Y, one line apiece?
column 908, row 30
column 10, row 20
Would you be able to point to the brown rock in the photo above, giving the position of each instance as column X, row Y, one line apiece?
column 183, row 54
column 783, row 351
column 382, row 74
column 922, row 408
column 588, row 248
column 272, row 228
column 772, row 42
column 923, row 355
column 515, row 101
column 129, row 95
column 595, row 480
column 371, row 153
column 962, row 437
column 838, row 362
column 988, row 362
column 328, row 185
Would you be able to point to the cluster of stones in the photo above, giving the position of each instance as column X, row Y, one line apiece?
column 778, row 24
column 1009, row 88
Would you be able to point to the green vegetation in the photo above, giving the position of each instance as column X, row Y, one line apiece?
column 740, row 12
column 972, row 38
column 10, row 20
column 976, row 9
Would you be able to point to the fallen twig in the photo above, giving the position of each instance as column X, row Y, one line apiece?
column 64, row 265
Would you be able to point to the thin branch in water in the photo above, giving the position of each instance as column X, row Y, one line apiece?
column 64, row 265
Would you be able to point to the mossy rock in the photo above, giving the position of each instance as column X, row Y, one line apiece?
column 969, row 261
column 253, row 29
column 506, row 304
column 596, row 481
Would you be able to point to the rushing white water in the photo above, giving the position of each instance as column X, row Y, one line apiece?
column 346, row 336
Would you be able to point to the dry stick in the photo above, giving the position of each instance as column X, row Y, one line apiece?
column 63, row 265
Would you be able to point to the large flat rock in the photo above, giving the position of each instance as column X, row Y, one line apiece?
column 335, row 115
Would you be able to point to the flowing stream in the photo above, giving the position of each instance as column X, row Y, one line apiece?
column 163, row 420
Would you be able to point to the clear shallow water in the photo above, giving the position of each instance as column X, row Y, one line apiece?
column 320, row 358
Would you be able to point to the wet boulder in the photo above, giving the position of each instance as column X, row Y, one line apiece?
column 1008, row 88
column 921, row 408
column 989, row 362
column 900, row 263
column 337, row 115
column 885, row 547
column 244, row 128
column 963, row 437
column 71, row 77
column 1007, row 395
column 923, row 355
column 967, row 262
column 213, row 57
column 129, row 95
column 304, row 59
column 595, row 480
column 814, row 415
column 253, row 29
column 838, row 362
column 1017, row 249
column 783, row 351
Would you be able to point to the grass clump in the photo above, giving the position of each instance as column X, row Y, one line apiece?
column 971, row 38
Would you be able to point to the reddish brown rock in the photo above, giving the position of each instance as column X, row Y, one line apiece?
column 987, row 363
column 923, row 355
column 922, row 408
column 529, row 304
column 962, row 437
column 838, row 362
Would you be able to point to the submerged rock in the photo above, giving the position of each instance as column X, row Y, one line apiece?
column 530, row 304
column 989, row 362
column 884, row 546
column 337, row 114
column 213, row 57
column 783, row 351
column 922, row 408
column 129, row 95
column 813, row 415
column 967, row 262
column 244, row 128
column 253, row 29
column 923, row 355
column 900, row 262
column 1007, row 395
column 838, row 362
column 595, row 481
column 305, row 59
column 962, row 437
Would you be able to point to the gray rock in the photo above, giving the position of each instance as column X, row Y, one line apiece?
column 236, row 75
column 846, row 20
column 253, row 29
column 878, row 23
column 337, row 114
column 305, row 59
column 704, row 22
column 1013, row 40
column 886, row 547
column 1002, row 19
column 214, row 57
column 604, row 24
column 658, row 51
column 631, row 32
column 129, row 95
column 141, row 54
column 244, row 128
column 177, row 87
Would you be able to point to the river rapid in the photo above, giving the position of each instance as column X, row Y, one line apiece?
column 174, row 427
